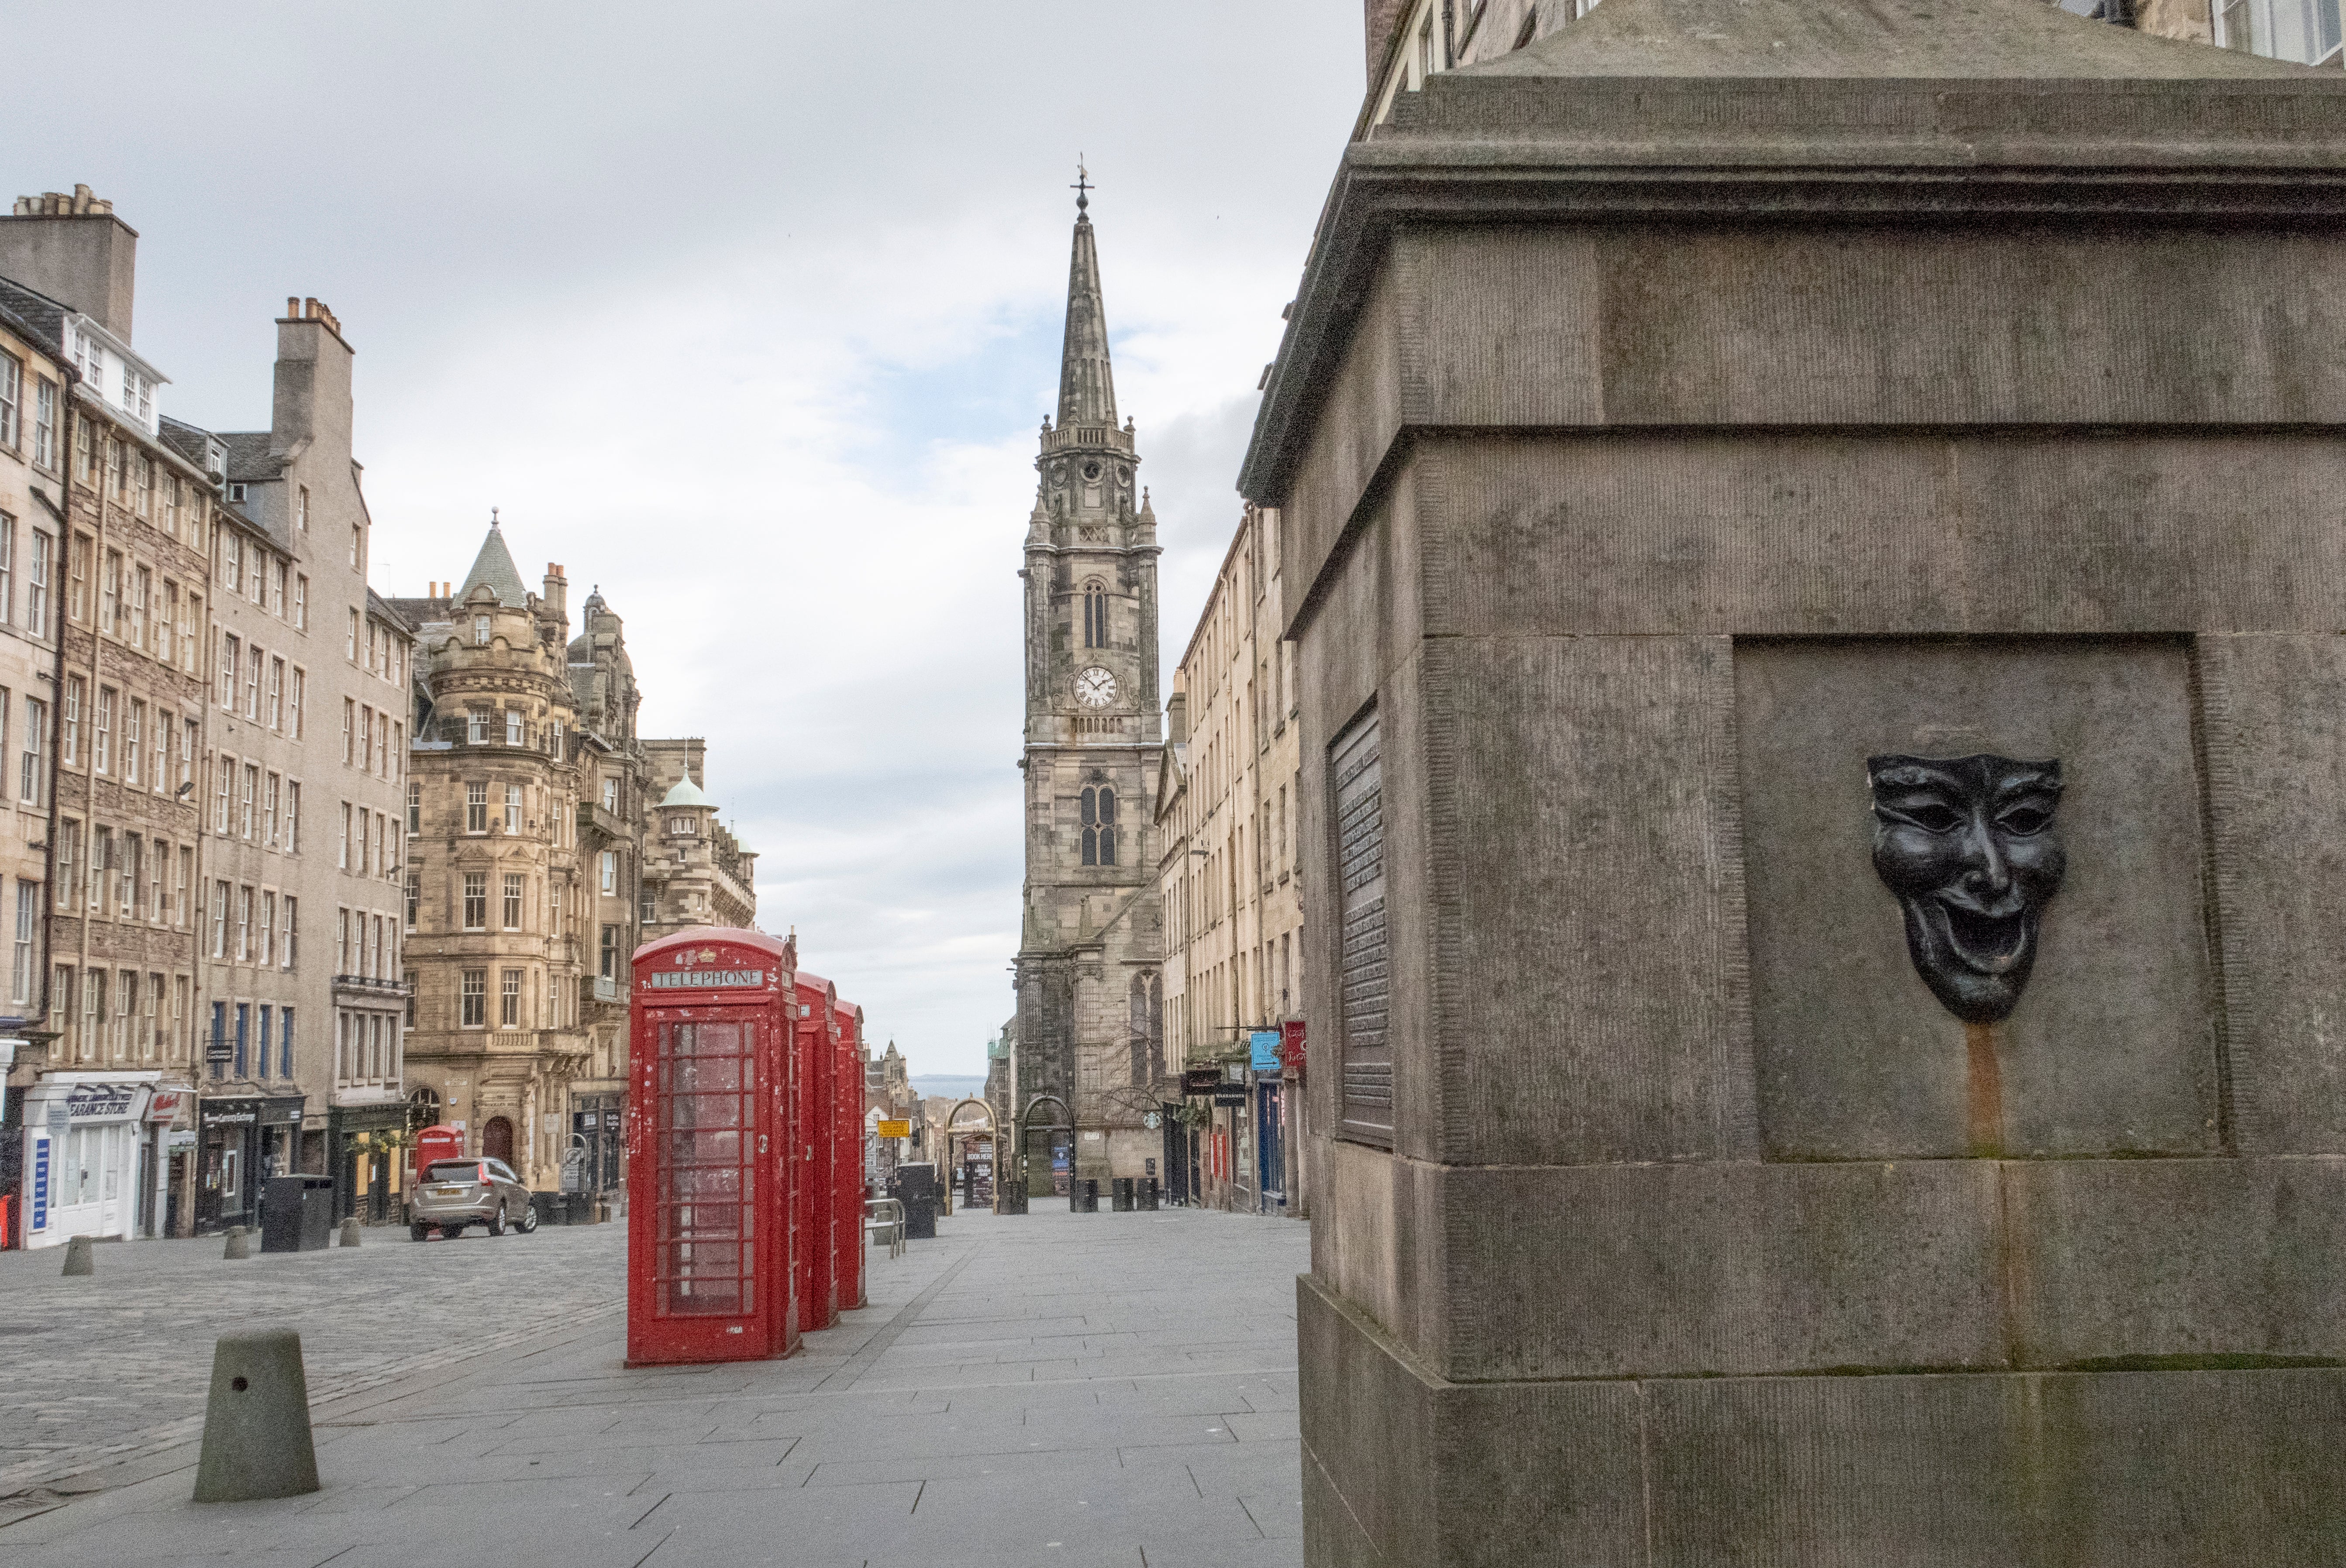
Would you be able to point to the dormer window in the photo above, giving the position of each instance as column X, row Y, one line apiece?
column 480, row 631
column 236, row 493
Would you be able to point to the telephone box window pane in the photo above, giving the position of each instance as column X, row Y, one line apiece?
column 702, row 1263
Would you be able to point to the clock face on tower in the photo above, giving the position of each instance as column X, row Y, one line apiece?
column 1096, row 687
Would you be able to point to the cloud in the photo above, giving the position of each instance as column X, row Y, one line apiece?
column 749, row 317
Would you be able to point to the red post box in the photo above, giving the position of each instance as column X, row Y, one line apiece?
column 817, row 1079
column 709, row 1169
column 847, row 1156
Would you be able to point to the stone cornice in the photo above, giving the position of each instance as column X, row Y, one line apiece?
column 1513, row 150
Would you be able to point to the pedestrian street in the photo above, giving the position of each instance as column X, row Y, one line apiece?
column 1049, row 1388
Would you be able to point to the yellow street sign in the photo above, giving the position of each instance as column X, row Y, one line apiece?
column 895, row 1129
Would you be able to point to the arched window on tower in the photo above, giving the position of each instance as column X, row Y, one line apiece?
column 1099, row 826
column 1094, row 614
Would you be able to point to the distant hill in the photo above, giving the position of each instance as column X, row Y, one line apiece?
column 951, row 1085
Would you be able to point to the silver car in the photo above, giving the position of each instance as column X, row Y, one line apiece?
column 454, row 1194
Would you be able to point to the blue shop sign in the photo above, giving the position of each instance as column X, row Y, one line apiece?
column 1265, row 1044
column 41, row 1148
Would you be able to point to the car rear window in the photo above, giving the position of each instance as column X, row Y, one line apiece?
column 453, row 1170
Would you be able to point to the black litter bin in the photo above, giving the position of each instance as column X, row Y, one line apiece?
column 1012, row 1197
column 1083, row 1196
column 1120, row 1195
column 1149, row 1195
column 297, row 1214
column 915, row 1186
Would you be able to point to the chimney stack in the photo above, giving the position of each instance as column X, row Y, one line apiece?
column 557, row 590
column 74, row 250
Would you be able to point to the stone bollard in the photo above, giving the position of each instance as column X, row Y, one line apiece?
column 239, row 1245
column 257, row 1421
column 350, row 1236
column 80, row 1256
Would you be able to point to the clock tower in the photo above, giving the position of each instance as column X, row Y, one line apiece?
column 1088, row 1043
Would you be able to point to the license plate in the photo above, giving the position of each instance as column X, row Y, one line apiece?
column 447, row 1192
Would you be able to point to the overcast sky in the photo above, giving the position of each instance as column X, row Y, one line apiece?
column 748, row 313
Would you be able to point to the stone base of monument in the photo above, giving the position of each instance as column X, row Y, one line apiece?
column 1823, row 736
column 257, row 1441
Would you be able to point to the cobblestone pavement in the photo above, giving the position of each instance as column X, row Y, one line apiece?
column 117, row 1364
column 1050, row 1389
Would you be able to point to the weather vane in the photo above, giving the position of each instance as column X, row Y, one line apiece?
column 1083, row 184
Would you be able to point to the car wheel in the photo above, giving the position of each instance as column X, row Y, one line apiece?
column 452, row 1231
column 495, row 1223
column 528, row 1221
column 419, row 1232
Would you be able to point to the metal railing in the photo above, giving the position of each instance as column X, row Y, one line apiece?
column 883, row 1218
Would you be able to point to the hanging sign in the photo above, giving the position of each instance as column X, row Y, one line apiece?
column 1201, row 1080
column 1263, row 1043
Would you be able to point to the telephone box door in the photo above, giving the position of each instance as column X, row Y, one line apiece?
column 847, row 1163
column 703, row 1234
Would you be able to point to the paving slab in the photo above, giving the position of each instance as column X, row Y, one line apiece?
column 1033, row 1390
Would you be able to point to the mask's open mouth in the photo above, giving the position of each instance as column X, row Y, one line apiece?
column 1991, row 944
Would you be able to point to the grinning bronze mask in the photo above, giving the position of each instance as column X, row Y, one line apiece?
column 1968, row 845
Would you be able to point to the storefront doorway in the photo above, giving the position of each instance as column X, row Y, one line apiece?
column 497, row 1139
column 82, row 1154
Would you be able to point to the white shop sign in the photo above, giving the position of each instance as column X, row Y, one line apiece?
column 81, row 1153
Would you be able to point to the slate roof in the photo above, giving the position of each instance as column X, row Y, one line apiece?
column 249, row 459
column 46, row 317
column 192, row 442
column 1900, row 39
column 495, row 567
column 383, row 609
column 32, row 333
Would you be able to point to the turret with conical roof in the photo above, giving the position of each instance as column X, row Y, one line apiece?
column 494, row 568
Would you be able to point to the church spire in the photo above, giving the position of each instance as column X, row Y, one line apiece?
column 1087, row 385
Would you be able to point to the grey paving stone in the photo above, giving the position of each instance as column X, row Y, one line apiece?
column 1180, row 1453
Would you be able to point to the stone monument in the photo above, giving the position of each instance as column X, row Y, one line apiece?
column 1825, row 747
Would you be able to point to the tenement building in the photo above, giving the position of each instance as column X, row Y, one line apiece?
column 493, row 900
column 35, row 373
column 1090, row 941
column 123, row 517
column 299, row 925
column 613, row 799
column 1229, row 886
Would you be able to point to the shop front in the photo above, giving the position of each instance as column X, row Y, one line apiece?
column 83, row 1155
column 596, row 1135
column 363, row 1155
column 242, row 1142
column 166, row 1141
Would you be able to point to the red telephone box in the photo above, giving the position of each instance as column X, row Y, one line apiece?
column 847, row 1156
column 709, row 1214
column 817, row 1084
